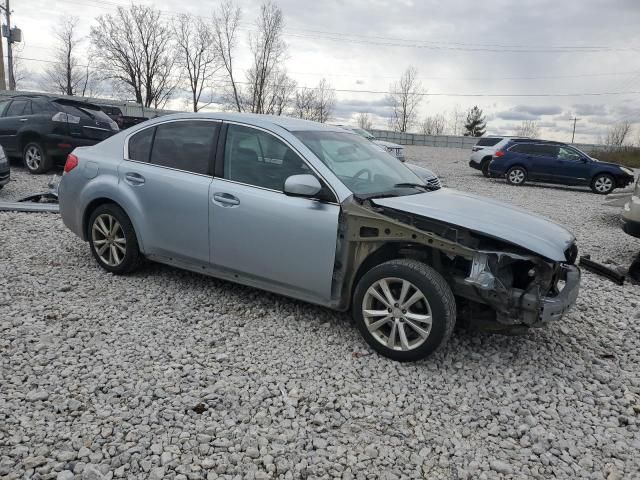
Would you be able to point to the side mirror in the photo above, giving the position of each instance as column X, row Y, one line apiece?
column 584, row 160
column 302, row 186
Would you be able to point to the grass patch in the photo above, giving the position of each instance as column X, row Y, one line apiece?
column 627, row 156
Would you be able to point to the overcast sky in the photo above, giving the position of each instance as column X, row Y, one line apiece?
column 498, row 49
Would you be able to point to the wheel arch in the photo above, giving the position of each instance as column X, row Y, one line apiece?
column 28, row 136
column 103, row 200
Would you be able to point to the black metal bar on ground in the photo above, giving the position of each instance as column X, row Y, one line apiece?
column 600, row 269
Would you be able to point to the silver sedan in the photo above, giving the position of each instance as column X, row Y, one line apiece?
column 319, row 214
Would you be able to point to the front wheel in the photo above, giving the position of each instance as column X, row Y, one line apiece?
column 516, row 175
column 404, row 309
column 112, row 239
column 35, row 158
column 603, row 184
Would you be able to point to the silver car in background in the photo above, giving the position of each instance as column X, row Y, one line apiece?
column 389, row 147
column 319, row 214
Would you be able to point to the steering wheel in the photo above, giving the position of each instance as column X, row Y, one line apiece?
column 360, row 172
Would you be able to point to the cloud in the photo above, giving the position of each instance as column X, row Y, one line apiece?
column 538, row 110
column 515, row 115
column 589, row 110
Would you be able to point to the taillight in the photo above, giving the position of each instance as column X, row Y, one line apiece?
column 499, row 154
column 71, row 163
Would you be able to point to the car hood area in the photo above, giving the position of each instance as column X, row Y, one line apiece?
column 488, row 217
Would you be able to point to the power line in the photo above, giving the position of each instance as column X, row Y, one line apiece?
column 404, row 43
column 386, row 92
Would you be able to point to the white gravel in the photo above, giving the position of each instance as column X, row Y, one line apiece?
column 169, row 374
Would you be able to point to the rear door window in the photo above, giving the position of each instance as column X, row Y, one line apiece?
column 3, row 105
column 185, row 145
column 16, row 108
column 140, row 145
column 488, row 142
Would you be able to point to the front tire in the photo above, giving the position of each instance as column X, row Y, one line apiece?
column 35, row 158
column 516, row 175
column 603, row 184
column 404, row 309
column 113, row 240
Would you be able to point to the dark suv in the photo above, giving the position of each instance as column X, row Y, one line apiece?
column 521, row 160
column 43, row 130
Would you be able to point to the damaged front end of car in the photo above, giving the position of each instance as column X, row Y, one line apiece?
column 521, row 287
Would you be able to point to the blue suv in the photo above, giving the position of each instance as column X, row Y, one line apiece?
column 522, row 160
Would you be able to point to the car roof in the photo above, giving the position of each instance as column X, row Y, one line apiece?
column 533, row 140
column 258, row 120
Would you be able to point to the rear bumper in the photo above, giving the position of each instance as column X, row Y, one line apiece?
column 475, row 165
column 62, row 145
column 5, row 175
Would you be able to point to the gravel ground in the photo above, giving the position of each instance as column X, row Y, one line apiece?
column 169, row 374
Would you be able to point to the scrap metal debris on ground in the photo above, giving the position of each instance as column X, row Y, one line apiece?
column 37, row 202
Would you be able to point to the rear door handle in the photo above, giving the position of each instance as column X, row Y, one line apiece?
column 133, row 178
column 225, row 199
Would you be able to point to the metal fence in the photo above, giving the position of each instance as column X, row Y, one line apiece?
column 452, row 141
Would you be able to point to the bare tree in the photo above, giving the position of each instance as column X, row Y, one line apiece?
column 304, row 104
column 66, row 75
column 325, row 101
column 20, row 73
column 406, row 95
column 363, row 120
column 134, row 47
column 433, row 125
column 617, row 134
column 278, row 93
column 197, row 56
column 528, row 128
column 268, row 51
column 225, row 25
column 456, row 120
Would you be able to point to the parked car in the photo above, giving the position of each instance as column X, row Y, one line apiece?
column 5, row 172
column 482, row 152
column 389, row 147
column 525, row 160
column 631, row 213
column 123, row 121
column 320, row 214
column 43, row 130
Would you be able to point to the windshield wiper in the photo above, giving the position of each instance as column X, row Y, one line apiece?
column 411, row 185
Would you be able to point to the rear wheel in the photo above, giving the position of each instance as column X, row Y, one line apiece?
column 484, row 166
column 603, row 184
column 516, row 175
column 404, row 309
column 112, row 239
column 35, row 158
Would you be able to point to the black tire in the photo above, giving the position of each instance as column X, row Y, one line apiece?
column 484, row 166
column 132, row 257
column 603, row 184
column 35, row 158
column 516, row 175
column 439, row 301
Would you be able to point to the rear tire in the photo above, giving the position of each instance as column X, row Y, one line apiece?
column 516, row 175
column 484, row 166
column 603, row 184
column 35, row 158
column 404, row 309
column 113, row 240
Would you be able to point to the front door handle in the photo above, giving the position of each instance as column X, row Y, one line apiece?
column 225, row 199
column 24, row 119
column 133, row 178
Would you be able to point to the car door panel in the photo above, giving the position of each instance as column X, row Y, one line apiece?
column 572, row 168
column 271, row 237
column 11, row 122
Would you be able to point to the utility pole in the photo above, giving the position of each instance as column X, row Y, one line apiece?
column 574, row 124
column 3, row 81
column 12, row 80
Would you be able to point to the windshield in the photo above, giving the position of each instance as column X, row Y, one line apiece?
column 364, row 169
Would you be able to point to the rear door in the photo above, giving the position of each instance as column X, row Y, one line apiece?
column 538, row 159
column 166, row 176
column 571, row 168
column 282, row 243
column 12, row 120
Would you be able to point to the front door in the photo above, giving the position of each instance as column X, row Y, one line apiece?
column 167, row 177
column 281, row 243
column 571, row 167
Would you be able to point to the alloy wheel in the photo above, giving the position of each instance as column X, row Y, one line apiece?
column 33, row 157
column 397, row 314
column 603, row 184
column 109, row 240
column 516, row 176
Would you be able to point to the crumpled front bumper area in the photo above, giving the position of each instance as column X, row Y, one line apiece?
column 526, row 307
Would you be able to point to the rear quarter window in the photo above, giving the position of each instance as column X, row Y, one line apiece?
column 488, row 142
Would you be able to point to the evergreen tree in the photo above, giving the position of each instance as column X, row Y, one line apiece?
column 475, row 125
